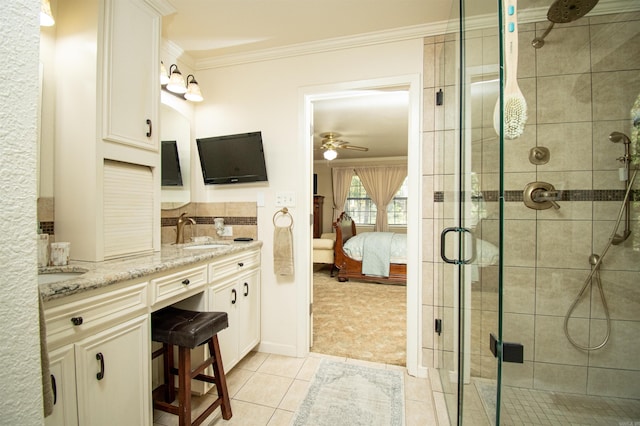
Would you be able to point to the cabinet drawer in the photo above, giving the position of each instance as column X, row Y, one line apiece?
column 178, row 284
column 236, row 264
column 67, row 321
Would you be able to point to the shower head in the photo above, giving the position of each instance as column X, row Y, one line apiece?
column 562, row 12
column 617, row 137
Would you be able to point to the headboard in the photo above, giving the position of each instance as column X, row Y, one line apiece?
column 345, row 227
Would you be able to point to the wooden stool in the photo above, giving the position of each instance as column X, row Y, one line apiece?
column 187, row 330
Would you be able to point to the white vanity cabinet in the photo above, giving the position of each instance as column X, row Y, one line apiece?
column 107, row 96
column 62, row 367
column 112, row 375
column 100, row 331
column 103, row 379
column 235, row 289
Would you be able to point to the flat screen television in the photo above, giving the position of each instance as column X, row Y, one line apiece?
column 232, row 158
column 170, row 171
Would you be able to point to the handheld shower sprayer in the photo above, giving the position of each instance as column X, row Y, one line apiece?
column 617, row 137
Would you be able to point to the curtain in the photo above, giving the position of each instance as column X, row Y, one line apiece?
column 341, row 178
column 382, row 184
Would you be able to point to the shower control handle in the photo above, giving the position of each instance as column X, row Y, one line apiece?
column 541, row 196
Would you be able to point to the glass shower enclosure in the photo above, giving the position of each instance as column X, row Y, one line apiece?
column 537, row 285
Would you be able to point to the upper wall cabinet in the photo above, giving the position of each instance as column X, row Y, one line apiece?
column 131, row 89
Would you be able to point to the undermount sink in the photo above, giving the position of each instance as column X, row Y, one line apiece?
column 206, row 246
column 54, row 277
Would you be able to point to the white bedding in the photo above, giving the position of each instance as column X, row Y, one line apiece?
column 354, row 247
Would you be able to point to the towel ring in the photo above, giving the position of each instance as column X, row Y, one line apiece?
column 285, row 212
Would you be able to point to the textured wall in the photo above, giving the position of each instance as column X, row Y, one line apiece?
column 21, row 388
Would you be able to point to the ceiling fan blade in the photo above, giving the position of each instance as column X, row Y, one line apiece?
column 353, row 147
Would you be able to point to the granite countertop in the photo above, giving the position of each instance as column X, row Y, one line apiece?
column 100, row 274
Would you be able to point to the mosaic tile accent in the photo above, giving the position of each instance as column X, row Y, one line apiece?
column 208, row 220
column 47, row 228
column 566, row 195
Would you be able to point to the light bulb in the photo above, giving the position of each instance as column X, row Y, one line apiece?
column 330, row 154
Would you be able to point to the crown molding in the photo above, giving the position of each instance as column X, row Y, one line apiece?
column 604, row 7
column 175, row 51
column 162, row 6
column 338, row 43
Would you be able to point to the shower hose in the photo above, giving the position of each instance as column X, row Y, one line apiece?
column 594, row 275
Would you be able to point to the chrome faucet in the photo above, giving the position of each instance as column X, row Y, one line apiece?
column 182, row 221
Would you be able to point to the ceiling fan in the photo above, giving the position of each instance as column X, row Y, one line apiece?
column 331, row 143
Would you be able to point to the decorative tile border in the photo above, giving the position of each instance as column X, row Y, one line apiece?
column 208, row 220
column 566, row 195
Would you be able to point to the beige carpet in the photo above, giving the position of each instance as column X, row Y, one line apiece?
column 358, row 319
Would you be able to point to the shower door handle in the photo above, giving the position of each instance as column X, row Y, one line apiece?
column 444, row 257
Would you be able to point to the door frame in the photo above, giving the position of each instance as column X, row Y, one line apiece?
column 307, row 95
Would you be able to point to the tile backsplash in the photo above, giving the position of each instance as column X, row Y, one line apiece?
column 241, row 216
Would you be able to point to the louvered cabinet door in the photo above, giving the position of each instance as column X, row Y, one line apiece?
column 128, row 209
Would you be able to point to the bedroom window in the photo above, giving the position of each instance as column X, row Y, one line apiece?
column 363, row 210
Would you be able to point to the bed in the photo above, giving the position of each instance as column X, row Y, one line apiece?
column 350, row 265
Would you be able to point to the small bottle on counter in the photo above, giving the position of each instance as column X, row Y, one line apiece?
column 43, row 250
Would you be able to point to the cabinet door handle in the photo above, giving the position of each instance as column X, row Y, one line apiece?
column 150, row 128
column 235, row 296
column 186, row 281
column 240, row 264
column 246, row 289
column 76, row 320
column 54, row 388
column 100, row 358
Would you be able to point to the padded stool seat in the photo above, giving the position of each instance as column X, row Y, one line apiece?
column 187, row 330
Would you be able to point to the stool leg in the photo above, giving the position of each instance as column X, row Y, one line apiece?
column 184, row 386
column 219, row 377
column 169, row 381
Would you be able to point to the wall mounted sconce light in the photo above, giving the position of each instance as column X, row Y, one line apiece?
column 46, row 17
column 164, row 77
column 193, row 90
column 330, row 154
column 175, row 83
column 176, row 80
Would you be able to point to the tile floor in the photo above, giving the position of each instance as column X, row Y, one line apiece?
column 267, row 389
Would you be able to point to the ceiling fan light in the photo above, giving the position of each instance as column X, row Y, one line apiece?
column 330, row 154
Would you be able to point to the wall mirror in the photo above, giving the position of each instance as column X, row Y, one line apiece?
column 174, row 126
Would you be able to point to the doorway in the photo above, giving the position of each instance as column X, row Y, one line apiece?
column 310, row 97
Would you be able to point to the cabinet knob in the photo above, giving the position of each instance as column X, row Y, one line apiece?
column 235, row 296
column 150, row 128
column 186, row 281
column 76, row 320
column 240, row 264
column 246, row 289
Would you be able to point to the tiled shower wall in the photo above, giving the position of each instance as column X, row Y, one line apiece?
column 579, row 88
